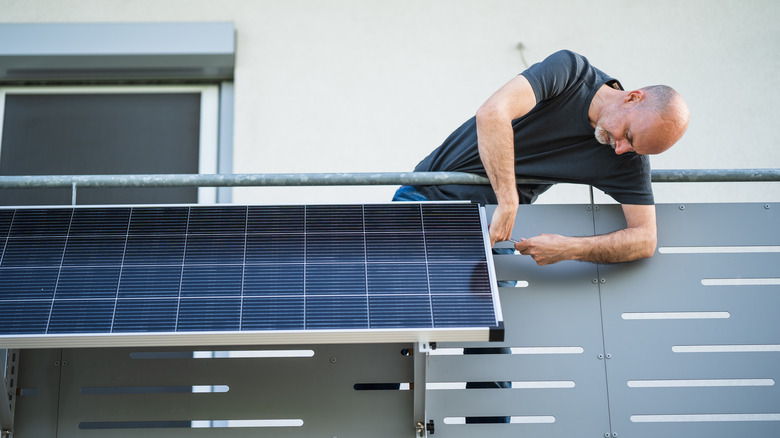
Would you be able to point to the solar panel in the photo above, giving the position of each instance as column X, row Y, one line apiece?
column 230, row 275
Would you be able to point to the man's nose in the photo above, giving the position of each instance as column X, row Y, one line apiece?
column 622, row 146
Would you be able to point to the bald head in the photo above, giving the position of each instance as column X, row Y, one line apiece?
column 666, row 110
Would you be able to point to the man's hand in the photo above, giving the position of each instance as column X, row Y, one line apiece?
column 501, row 224
column 546, row 249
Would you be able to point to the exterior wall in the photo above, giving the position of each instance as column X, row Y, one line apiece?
column 364, row 86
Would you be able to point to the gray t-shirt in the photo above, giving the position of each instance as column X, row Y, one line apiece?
column 553, row 142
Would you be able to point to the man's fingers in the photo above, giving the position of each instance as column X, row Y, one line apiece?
column 501, row 225
column 525, row 247
column 522, row 245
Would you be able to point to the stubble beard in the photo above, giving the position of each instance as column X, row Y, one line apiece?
column 603, row 137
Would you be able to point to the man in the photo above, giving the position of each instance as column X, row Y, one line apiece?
column 563, row 120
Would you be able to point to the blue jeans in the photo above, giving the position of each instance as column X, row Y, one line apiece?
column 408, row 193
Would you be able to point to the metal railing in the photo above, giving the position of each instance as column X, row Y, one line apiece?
column 344, row 179
column 242, row 180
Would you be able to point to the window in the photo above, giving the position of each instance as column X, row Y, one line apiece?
column 85, row 130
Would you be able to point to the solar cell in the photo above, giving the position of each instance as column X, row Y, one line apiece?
column 179, row 275
column 5, row 222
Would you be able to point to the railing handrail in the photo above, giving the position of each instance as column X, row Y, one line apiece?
column 345, row 179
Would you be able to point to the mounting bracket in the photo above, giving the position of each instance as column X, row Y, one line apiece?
column 423, row 427
column 9, row 362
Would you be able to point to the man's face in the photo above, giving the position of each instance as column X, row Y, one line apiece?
column 630, row 130
column 629, row 125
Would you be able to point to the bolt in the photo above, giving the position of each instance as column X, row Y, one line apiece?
column 609, row 356
column 603, row 280
column 767, row 206
column 682, row 207
column 595, row 280
column 614, row 435
column 587, row 208
column 600, row 356
column 332, row 360
column 56, row 363
column 596, row 208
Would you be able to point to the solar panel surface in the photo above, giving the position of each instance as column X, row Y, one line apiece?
column 244, row 274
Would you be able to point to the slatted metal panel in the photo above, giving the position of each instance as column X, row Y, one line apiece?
column 555, row 335
column 694, row 333
column 649, row 331
column 179, row 392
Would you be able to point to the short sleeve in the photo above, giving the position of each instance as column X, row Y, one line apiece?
column 552, row 76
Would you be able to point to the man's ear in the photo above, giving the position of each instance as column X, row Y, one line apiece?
column 635, row 96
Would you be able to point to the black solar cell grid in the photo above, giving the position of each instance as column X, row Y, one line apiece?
column 243, row 268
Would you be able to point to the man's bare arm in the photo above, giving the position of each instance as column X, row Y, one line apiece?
column 497, row 150
column 638, row 240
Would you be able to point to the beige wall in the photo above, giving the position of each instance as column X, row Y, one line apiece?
column 374, row 85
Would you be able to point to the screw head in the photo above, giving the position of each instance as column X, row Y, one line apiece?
column 682, row 207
